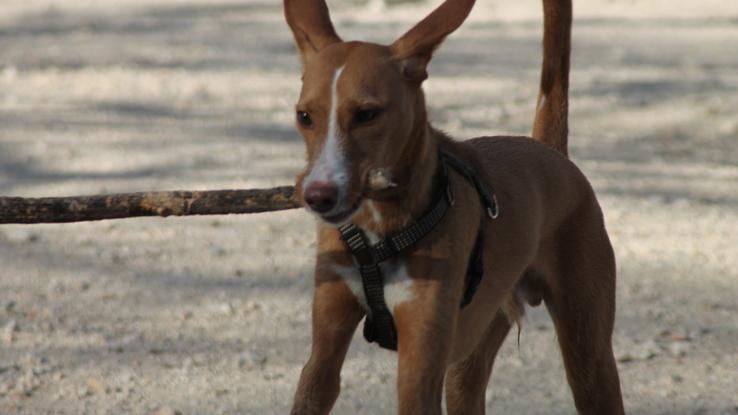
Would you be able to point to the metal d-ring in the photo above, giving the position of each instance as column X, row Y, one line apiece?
column 493, row 213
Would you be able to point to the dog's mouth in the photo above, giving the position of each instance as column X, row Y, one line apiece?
column 343, row 216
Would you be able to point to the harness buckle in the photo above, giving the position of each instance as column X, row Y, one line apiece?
column 357, row 244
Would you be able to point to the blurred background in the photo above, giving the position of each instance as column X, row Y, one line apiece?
column 211, row 315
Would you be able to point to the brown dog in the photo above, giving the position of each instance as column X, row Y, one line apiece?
column 373, row 160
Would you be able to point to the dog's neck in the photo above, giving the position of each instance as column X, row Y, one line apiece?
column 414, row 174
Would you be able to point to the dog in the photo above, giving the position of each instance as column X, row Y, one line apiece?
column 373, row 165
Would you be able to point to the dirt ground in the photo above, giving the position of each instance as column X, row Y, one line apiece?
column 211, row 315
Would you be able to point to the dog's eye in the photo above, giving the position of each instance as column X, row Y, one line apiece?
column 304, row 119
column 364, row 116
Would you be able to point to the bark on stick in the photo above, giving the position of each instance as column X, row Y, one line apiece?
column 128, row 205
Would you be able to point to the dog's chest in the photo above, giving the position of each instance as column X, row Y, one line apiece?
column 397, row 282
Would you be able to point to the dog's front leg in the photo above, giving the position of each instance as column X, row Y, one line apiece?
column 336, row 313
column 425, row 328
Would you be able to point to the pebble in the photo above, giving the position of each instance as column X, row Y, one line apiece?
column 225, row 309
column 679, row 348
column 166, row 410
column 273, row 376
column 197, row 359
column 677, row 335
column 119, row 345
column 28, row 382
column 23, row 236
column 639, row 352
column 218, row 251
column 251, row 306
column 28, row 387
column 56, row 286
column 42, row 367
column 10, row 72
column 84, row 392
column 96, row 386
column 9, row 331
column 9, row 306
column 4, row 367
column 251, row 360
column 46, row 326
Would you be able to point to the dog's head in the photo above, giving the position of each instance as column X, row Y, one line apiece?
column 361, row 108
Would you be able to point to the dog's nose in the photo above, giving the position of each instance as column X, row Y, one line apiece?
column 321, row 196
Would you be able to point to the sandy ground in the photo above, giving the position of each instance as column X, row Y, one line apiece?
column 211, row 315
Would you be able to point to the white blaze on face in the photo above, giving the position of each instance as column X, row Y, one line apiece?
column 330, row 165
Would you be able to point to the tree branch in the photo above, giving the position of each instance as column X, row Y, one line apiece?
column 127, row 205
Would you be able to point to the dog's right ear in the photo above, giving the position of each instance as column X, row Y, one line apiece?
column 311, row 26
column 415, row 48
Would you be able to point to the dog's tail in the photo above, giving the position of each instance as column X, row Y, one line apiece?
column 552, row 111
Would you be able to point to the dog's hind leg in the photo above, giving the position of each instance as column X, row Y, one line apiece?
column 581, row 300
column 466, row 381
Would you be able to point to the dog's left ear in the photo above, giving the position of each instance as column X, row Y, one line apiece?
column 311, row 26
column 415, row 48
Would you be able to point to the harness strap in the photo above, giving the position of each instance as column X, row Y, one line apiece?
column 379, row 325
column 475, row 268
column 486, row 193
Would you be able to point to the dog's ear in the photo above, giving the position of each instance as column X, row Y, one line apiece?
column 415, row 48
column 311, row 26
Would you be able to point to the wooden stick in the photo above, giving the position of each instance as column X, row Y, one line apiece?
column 127, row 205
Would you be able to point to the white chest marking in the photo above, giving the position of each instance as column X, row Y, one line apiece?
column 376, row 214
column 397, row 282
column 330, row 166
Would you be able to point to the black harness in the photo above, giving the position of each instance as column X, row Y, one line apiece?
column 379, row 325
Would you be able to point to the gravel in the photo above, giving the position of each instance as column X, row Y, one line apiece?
column 212, row 315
